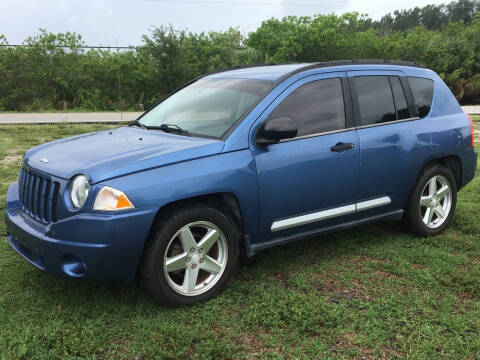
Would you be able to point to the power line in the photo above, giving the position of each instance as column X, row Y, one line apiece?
column 218, row 2
column 267, row 3
column 71, row 47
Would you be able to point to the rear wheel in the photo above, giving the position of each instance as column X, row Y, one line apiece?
column 432, row 202
column 191, row 256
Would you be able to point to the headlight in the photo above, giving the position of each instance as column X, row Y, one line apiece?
column 110, row 199
column 79, row 191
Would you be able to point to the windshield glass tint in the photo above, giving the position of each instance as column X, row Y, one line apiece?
column 208, row 107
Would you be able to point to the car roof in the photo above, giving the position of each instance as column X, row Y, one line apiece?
column 273, row 72
column 257, row 72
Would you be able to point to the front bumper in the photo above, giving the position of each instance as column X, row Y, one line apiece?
column 95, row 246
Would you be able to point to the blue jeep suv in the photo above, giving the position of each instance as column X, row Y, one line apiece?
column 238, row 161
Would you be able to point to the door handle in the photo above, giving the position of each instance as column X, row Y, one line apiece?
column 338, row 147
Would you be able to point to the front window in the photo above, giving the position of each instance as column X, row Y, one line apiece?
column 317, row 107
column 208, row 107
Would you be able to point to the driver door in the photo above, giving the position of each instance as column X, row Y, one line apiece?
column 309, row 182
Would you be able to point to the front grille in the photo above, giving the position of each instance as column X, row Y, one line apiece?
column 38, row 195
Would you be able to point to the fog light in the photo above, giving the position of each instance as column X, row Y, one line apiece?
column 73, row 266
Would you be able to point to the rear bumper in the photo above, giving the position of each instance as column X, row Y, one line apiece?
column 94, row 246
column 469, row 166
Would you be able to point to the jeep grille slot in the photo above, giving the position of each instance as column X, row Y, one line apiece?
column 38, row 195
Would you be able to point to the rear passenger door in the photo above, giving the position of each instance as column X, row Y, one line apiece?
column 309, row 182
column 392, row 140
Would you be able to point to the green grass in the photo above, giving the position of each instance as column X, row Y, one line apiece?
column 371, row 292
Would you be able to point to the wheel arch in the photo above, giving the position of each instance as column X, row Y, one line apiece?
column 226, row 202
column 452, row 162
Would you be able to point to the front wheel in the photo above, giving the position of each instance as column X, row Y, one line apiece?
column 432, row 202
column 191, row 256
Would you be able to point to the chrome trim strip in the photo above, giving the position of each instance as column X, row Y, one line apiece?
column 254, row 248
column 330, row 213
column 388, row 123
column 313, row 217
column 369, row 204
column 318, row 134
column 347, row 129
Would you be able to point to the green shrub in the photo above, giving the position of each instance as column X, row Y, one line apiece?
column 44, row 74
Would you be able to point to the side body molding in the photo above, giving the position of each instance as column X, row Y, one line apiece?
column 329, row 213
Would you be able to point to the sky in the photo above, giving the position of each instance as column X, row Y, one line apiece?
column 123, row 22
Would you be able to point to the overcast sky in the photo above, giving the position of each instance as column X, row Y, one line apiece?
column 108, row 22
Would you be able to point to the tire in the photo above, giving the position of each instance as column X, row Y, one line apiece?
column 177, row 269
column 440, row 206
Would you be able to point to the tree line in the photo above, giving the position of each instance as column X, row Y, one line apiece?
column 56, row 71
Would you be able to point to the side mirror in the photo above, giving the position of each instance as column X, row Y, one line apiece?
column 276, row 129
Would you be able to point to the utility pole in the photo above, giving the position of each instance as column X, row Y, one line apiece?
column 119, row 86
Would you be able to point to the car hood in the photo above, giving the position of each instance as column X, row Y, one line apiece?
column 111, row 153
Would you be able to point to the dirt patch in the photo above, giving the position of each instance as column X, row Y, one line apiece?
column 466, row 303
column 352, row 340
column 229, row 311
column 116, row 348
column 382, row 279
column 368, row 286
column 12, row 159
column 256, row 347
column 253, row 341
column 417, row 266
column 465, row 297
column 385, row 275
column 14, row 150
column 474, row 259
column 389, row 353
column 361, row 261
column 283, row 279
column 336, row 292
column 349, row 341
column 357, row 290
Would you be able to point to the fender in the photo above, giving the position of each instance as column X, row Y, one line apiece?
column 232, row 172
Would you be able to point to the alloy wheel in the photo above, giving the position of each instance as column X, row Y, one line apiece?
column 195, row 258
column 436, row 201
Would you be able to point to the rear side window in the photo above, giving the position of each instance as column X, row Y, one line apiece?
column 375, row 99
column 422, row 90
column 399, row 97
column 317, row 107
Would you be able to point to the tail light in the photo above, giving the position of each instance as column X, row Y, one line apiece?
column 471, row 130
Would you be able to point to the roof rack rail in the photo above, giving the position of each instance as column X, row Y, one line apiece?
column 324, row 64
column 369, row 62
column 349, row 62
column 309, row 66
column 238, row 67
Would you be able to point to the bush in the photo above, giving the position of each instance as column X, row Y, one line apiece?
column 55, row 71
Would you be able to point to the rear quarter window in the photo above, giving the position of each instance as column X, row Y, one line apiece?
column 422, row 90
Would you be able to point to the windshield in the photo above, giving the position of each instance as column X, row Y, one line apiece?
column 208, row 107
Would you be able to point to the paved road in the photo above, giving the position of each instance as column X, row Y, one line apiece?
column 103, row 117
column 472, row 110
column 41, row 118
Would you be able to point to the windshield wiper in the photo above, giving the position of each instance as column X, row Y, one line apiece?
column 139, row 124
column 170, row 128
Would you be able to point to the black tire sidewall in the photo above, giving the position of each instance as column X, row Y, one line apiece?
column 155, row 279
column 413, row 217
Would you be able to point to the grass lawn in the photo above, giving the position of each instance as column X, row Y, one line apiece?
column 369, row 292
